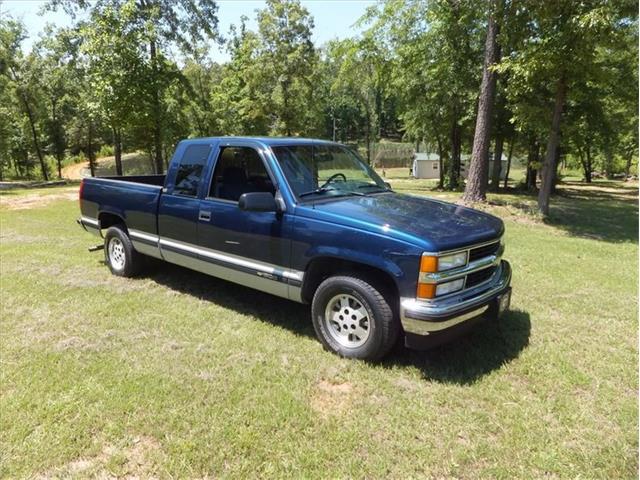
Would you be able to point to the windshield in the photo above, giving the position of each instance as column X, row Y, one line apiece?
column 327, row 170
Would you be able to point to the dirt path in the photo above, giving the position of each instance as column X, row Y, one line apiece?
column 106, row 166
column 76, row 171
column 38, row 198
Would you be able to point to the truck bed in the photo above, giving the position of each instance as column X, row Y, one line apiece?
column 133, row 198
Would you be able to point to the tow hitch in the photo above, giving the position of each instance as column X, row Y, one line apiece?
column 96, row 248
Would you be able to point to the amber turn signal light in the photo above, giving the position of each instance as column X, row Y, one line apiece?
column 428, row 264
column 426, row 290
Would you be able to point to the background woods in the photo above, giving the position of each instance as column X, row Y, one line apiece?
column 552, row 83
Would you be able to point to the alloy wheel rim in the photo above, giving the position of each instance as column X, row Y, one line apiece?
column 116, row 253
column 347, row 320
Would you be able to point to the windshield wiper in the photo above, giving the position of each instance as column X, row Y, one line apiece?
column 317, row 190
column 330, row 189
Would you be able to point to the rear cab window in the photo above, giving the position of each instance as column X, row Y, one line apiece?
column 190, row 169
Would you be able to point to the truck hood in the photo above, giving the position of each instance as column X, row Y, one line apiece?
column 431, row 224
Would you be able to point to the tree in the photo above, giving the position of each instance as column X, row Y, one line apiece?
column 55, row 55
column 181, row 24
column 475, row 190
column 559, row 46
column 431, row 43
column 110, row 48
column 21, row 80
column 360, row 77
column 288, row 59
column 241, row 98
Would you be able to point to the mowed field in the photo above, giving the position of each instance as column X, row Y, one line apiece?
column 176, row 374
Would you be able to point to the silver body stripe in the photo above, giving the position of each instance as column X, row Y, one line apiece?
column 143, row 235
column 221, row 256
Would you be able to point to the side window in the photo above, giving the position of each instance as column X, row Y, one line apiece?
column 239, row 170
column 190, row 168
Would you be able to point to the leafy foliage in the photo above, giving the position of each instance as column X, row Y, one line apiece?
column 136, row 74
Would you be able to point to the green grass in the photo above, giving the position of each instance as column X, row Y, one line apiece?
column 175, row 374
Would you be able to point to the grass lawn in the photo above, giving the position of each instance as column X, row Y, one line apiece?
column 176, row 374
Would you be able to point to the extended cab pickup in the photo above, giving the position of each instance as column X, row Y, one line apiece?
column 308, row 220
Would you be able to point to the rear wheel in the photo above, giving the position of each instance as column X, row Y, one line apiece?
column 353, row 319
column 119, row 253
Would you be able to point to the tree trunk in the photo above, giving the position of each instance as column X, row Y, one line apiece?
column 368, row 137
column 497, row 164
column 554, row 181
column 59, row 162
column 117, row 150
column 440, row 163
column 157, row 117
column 506, row 174
column 585, row 161
column 36, row 143
column 588, row 166
column 476, row 189
column 56, row 131
column 627, row 167
column 532, row 160
column 92, row 162
column 608, row 162
column 549, row 165
column 286, row 117
column 454, row 164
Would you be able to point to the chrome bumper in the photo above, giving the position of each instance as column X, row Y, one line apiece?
column 426, row 317
column 90, row 225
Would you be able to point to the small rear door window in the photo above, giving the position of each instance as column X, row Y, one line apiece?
column 190, row 170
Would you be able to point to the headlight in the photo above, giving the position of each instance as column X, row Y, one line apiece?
column 454, row 260
column 430, row 265
column 449, row 287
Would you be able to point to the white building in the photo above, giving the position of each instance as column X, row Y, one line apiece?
column 465, row 159
column 426, row 165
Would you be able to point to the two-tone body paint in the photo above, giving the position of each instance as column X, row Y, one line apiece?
column 271, row 251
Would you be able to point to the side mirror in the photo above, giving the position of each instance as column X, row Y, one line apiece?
column 258, row 202
column 388, row 185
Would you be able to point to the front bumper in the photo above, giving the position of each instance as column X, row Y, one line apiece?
column 430, row 318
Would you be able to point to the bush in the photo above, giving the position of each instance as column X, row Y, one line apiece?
column 105, row 151
column 73, row 159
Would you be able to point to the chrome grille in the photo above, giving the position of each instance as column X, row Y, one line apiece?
column 483, row 261
column 484, row 251
column 476, row 278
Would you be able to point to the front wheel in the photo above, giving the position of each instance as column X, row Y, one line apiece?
column 119, row 253
column 353, row 319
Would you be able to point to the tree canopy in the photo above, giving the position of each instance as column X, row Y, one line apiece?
column 560, row 83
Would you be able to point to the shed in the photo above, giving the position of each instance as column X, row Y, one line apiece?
column 426, row 165
column 466, row 159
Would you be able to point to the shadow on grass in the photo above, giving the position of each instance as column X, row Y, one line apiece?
column 489, row 345
column 603, row 210
column 606, row 211
column 464, row 360
column 246, row 301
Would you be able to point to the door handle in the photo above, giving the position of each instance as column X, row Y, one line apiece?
column 205, row 216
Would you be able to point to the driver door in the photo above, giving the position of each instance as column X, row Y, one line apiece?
column 254, row 246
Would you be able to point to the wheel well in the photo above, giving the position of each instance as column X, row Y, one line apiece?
column 109, row 220
column 323, row 268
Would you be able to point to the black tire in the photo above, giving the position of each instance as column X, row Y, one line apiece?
column 132, row 261
column 382, row 324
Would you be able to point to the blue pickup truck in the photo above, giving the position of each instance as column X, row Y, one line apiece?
column 308, row 220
